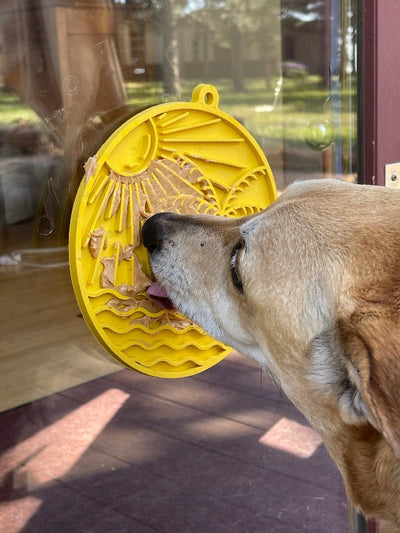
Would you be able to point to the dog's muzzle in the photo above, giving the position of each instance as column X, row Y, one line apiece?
column 154, row 232
column 156, row 229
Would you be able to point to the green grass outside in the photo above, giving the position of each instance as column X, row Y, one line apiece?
column 303, row 100
column 13, row 110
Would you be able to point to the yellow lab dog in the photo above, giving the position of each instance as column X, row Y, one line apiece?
column 309, row 288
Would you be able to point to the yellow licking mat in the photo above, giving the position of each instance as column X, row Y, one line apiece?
column 183, row 157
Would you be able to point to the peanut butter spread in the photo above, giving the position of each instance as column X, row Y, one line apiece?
column 166, row 185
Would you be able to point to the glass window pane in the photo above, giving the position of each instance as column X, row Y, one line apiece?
column 71, row 72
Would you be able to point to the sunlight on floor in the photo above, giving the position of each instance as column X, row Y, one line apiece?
column 292, row 437
column 53, row 451
column 16, row 514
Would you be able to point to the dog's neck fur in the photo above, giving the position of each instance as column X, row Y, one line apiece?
column 363, row 456
column 366, row 462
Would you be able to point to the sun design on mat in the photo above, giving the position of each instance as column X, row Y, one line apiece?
column 185, row 157
column 127, row 201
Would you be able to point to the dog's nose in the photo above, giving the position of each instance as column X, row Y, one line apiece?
column 155, row 229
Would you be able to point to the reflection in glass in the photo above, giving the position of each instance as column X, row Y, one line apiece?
column 72, row 71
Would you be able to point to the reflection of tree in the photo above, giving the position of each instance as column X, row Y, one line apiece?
column 171, row 67
column 165, row 14
column 235, row 24
column 168, row 13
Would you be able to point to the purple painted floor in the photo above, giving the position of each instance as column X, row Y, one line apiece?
column 221, row 452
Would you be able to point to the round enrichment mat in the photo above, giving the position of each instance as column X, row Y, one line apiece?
column 183, row 157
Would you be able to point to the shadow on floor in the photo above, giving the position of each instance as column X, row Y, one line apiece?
column 224, row 451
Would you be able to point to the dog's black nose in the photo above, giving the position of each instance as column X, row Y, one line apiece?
column 155, row 229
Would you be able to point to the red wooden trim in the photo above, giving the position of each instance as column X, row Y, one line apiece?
column 368, row 89
column 380, row 105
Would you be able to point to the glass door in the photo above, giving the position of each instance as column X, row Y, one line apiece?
column 71, row 72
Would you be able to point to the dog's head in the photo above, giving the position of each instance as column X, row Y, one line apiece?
column 198, row 260
column 309, row 288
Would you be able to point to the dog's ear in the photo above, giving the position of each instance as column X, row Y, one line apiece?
column 372, row 345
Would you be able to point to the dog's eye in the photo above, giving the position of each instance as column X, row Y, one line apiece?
column 235, row 273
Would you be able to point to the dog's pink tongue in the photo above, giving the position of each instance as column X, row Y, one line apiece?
column 158, row 293
column 157, row 290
